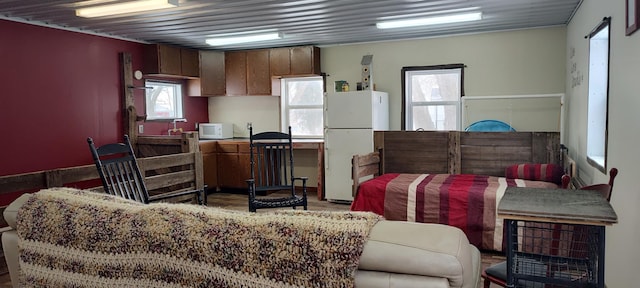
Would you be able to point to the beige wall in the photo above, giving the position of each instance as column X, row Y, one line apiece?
column 622, row 152
column 504, row 63
column 517, row 111
column 262, row 111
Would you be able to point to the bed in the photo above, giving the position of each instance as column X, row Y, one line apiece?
column 454, row 178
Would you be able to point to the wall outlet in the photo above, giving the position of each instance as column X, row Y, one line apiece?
column 249, row 125
column 140, row 128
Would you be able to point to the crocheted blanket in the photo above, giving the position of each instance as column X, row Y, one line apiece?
column 76, row 238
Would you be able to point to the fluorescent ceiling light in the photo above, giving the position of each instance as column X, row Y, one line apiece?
column 430, row 20
column 228, row 40
column 128, row 7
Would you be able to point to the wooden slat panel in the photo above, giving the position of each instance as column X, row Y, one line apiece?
column 160, row 140
column 492, row 160
column 412, row 140
column 169, row 179
column 166, row 161
column 490, row 153
column 491, row 168
column 144, row 150
column 20, row 182
column 149, row 146
column 54, row 179
column 372, row 158
column 78, row 173
column 414, row 152
column 59, row 177
column 177, row 199
column 487, row 153
column 371, row 169
column 401, row 162
column 366, row 165
column 545, row 147
column 495, row 138
column 378, row 140
column 361, row 166
column 454, row 153
column 199, row 170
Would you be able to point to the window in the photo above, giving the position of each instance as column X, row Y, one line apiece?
column 431, row 97
column 302, row 106
column 598, row 95
column 163, row 100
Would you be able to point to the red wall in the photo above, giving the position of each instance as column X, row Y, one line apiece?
column 60, row 87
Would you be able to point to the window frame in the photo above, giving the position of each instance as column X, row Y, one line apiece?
column 178, row 88
column 285, row 108
column 597, row 144
column 407, row 103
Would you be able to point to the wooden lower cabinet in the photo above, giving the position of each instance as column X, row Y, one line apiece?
column 210, row 163
column 233, row 164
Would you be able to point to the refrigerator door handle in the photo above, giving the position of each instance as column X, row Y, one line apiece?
column 326, row 153
column 326, row 158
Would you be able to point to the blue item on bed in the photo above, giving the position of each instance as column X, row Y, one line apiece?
column 490, row 126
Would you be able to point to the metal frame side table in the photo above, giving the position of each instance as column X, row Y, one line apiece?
column 555, row 236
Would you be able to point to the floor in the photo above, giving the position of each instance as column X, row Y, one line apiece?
column 237, row 201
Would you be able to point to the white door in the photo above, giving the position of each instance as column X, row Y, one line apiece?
column 348, row 110
column 340, row 146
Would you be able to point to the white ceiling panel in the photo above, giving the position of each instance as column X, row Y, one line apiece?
column 303, row 22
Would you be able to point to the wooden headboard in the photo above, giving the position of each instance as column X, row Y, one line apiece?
column 455, row 152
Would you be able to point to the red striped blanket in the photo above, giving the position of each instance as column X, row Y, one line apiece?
column 465, row 201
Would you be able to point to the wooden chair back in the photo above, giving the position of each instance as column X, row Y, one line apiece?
column 119, row 171
column 604, row 189
column 272, row 170
column 271, row 160
column 121, row 176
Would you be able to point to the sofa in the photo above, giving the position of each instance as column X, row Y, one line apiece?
column 69, row 237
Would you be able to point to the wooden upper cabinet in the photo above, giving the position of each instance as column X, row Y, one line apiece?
column 247, row 73
column 161, row 59
column 190, row 63
column 235, row 70
column 169, row 60
column 302, row 60
column 305, row 60
column 251, row 72
column 258, row 77
column 212, row 74
column 280, row 61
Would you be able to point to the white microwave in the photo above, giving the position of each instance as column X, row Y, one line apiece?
column 215, row 130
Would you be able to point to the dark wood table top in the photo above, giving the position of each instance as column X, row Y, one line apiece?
column 570, row 206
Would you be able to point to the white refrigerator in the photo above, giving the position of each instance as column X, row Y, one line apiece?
column 350, row 119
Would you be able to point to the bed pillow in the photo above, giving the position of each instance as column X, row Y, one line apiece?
column 538, row 172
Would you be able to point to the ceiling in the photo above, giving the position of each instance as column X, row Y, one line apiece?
column 303, row 22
